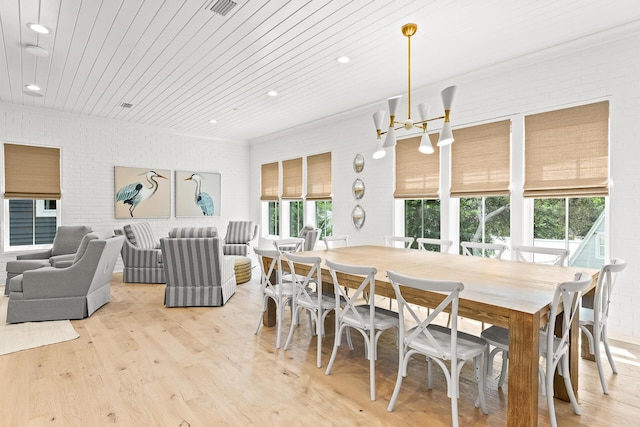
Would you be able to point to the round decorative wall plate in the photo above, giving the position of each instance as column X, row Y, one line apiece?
column 358, row 189
column 358, row 216
column 358, row 163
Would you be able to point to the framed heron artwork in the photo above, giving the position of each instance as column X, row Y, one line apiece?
column 197, row 193
column 142, row 192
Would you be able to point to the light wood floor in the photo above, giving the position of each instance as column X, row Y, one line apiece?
column 137, row 363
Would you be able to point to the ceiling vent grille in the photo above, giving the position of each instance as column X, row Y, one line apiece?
column 221, row 7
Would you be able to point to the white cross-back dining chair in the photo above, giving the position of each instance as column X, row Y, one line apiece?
column 369, row 320
column 541, row 254
column 398, row 242
column 332, row 242
column 437, row 343
column 425, row 242
column 593, row 321
column 553, row 347
column 487, row 250
column 273, row 287
column 314, row 301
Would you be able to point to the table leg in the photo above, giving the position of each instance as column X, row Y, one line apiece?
column 587, row 301
column 269, row 317
column 523, row 369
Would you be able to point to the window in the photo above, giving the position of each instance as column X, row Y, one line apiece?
column 324, row 217
column 296, row 217
column 422, row 219
column 32, row 191
column 26, row 227
column 485, row 219
column 273, row 209
column 572, row 223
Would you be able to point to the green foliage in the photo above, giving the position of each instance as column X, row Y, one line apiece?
column 496, row 220
column 274, row 218
column 549, row 217
column 296, row 217
column 422, row 219
column 324, row 217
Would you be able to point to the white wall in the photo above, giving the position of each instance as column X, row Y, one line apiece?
column 91, row 148
column 586, row 71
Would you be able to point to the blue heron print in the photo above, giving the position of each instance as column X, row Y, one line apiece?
column 135, row 193
column 203, row 200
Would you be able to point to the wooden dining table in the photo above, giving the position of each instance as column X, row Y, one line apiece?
column 512, row 294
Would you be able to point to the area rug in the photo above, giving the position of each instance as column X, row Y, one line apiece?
column 23, row 336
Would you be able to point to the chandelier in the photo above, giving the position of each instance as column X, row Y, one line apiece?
column 446, row 136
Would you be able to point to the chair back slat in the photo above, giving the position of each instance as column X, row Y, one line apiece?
column 488, row 250
column 541, row 255
column 443, row 245
column 421, row 328
column 367, row 284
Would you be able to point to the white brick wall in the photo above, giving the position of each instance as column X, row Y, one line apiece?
column 91, row 148
column 587, row 71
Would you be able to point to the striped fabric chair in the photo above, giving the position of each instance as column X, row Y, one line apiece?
column 141, row 254
column 311, row 235
column 239, row 237
column 197, row 272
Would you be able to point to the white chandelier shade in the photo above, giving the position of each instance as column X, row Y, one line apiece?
column 446, row 135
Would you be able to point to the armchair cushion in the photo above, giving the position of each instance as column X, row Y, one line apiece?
column 141, row 235
column 194, row 232
column 68, row 238
column 239, row 232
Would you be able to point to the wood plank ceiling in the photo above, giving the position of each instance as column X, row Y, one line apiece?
column 180, row 64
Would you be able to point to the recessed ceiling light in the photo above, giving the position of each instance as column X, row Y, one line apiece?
column 32, row 87
column 36, row 50
column 343, row 59
column 38, row 28
column 31, row 93
column 272, row 93
column 213, row 121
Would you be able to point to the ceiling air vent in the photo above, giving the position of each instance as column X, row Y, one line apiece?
column 126, row 105
column 221, row 7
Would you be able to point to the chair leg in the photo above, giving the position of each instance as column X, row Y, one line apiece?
column 349, row 342
column 567, row 382
column 396, row 390
column 503, row 370
column 280, row 312
column 293, row 325
column 598, row 357
column 334, row 352
column 372, row 366
column 481, row 375
column 319, row 344
column 264, row 305
column 605, row 340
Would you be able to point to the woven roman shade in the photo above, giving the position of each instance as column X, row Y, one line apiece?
column 270, row 181
column 481, row 160
column 417, row 174
column 31, row 172
column 319, row 177
column 292, row 179
column 566, row 152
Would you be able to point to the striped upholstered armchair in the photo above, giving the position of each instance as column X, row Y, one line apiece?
column 141, row 254
column 239, row 236
column 197, row 272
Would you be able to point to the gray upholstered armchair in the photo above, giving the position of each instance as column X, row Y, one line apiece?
column 73, row 292
column 61, row 254
column 239, row 236
column 141, row 254
column 197, row 272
